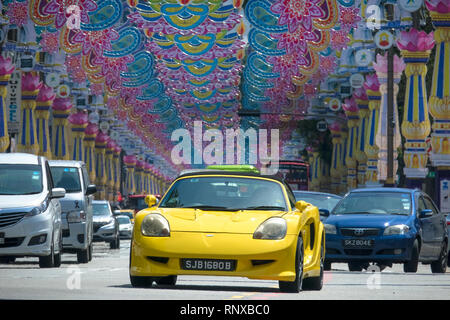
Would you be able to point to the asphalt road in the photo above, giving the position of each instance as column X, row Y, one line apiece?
column 106, row 278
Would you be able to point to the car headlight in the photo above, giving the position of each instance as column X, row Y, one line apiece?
column 39, row 209
column 330, row 228
column 155, row 225
column 271, row 229
column 76, row 216
column 396, row 229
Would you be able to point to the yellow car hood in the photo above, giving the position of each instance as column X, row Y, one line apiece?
column 192, row 220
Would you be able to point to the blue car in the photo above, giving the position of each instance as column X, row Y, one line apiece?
column 386, row 226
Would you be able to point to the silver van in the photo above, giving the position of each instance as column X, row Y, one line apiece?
column 76, row 207
column 30, row 213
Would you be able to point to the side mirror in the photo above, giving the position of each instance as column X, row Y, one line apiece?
column 301, row 205
column 426, row 213
column 324, row 212
column 91, row 189
column 150, row 200
column 58, row 193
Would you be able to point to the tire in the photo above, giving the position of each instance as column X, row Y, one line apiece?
column 57, row 258
column 316, row 283
column 167, row 281
column 440, row 265
column 91, row 248
column 83, row 255
column 327, row 265
column 355, row 266
column 296, row 285
column 48, row 261
column 137, row 281
column 7, row 260
column 141, row 282
column 411, row 265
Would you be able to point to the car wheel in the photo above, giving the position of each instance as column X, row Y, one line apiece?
column 57, row 258
column 355, row 266
column 167, row 281
column 296, row 285
column 411, row 265
column 316, row 283
column 440, row 265
column 48, row 261
column 6, row 260
column 83, row 255
column 141, row 282
column 91, row 248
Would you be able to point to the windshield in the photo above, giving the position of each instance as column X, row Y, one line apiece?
column 20, row 179
column 225, row 193
column 123, row 220
column 101, row 209
column 137, row 203
column 321, row 201
column 375, row 203
column 67, row 178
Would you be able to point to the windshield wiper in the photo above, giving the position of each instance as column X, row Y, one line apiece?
column 208, row 208
column 264, row 208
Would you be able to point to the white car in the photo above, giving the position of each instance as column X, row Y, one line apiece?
column 30, row 212
column 125, row 226
column 76, row 207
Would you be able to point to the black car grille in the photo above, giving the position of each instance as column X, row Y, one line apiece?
column 98, row 225
column 12, row 242
column 8, row 219
column 360, row 232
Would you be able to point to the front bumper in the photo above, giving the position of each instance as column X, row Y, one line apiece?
column 105, row 233
column 74, row 235
column 255, row 259
column 391, row 249
column 18, row 237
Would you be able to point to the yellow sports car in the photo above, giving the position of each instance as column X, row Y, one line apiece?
column 228, row 224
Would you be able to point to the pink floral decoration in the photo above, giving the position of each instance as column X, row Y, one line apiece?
column 294, row 13
column 50, row 42
column 348, row 17
column 297, row 40
column 45, row 94
column 91, row 129
column 381, row 64
column 413, row 40
column 30, row 82
column 79, row 118
column 339, row 39
column 350, row 105
column 439, row 6
column 6, row 66
column 62, row 104
column 372, row 82
column 18, row 13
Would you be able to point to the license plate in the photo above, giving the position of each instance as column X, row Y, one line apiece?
column 2, row 238
column 358, row 243
column 208, row 264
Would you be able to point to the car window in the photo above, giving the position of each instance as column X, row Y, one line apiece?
column 322, row 201
column 20, row 179
column 429, row 204
column 375, row 202
column 101, row 209
column 50, row 180
column 421, row 204
column 67, row 178
column 229, row 193
column 85, row 177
